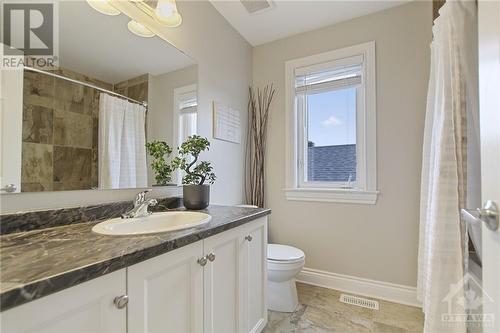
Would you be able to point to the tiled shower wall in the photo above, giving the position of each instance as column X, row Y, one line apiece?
column 135, row 88
column 60, row 129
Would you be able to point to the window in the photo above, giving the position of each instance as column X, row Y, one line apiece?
column 331, row 126
column 186, row 114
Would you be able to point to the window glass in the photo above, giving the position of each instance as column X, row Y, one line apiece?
column 331, row 136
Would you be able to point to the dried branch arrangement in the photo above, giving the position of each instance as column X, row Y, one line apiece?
column 258, row 115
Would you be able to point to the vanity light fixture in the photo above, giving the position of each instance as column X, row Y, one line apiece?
column 163, row 11
column 139, row 29
column 166, row 13
column 103, row 7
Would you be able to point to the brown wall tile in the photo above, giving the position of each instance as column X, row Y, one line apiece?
column 79, row 170
column 83, row 78
column 95, row 171
column 91, row 102
column 135, row 88
column 37, row 124
column 95, row 133
column 139, row 92
column 72, row 129
column 71, row 185
column 38, row 89
column 36, row 167
column 69, row 96
column 36, row 187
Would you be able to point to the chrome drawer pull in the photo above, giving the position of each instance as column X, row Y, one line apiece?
column 202, row 261
column 121, row 301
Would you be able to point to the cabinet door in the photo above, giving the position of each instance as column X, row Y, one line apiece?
column 222, row 281
column 87, row 307
column 255, row 288
column 166, row 292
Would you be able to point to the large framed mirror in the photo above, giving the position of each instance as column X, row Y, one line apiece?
column 85, row 124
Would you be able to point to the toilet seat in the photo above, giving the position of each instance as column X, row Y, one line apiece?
column 284, row 254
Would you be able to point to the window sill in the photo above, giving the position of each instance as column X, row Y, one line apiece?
column 332, row 195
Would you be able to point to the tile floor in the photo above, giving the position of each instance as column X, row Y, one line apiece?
column 320, row 311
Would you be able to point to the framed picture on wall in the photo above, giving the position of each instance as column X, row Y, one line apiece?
column 227, row 123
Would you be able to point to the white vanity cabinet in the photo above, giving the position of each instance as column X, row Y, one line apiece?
column 254, row 307
column 223, row 278
column 87, row 307
column 166, row 292
column 214, row 285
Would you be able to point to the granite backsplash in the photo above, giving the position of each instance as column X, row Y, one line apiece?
column 28, row 221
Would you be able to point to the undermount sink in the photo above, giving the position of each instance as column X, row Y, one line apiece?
column 154, row 223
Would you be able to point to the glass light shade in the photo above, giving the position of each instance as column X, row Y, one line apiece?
column 139, row 29
column 103, row 7
column 166, row 13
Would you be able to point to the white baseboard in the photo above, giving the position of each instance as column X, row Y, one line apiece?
column 371, row 288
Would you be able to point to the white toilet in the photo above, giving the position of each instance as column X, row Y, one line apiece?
column 283, row 264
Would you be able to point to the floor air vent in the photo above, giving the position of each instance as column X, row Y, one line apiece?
column 358, row 301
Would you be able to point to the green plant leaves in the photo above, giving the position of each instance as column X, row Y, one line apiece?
column 189, row 151
column 163, row 170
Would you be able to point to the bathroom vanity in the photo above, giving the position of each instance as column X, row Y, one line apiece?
column 210, row 278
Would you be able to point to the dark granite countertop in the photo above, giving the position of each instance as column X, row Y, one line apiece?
column 38, row 263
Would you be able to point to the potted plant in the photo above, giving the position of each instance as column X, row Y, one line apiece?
column 196, row 193
column 160, row 151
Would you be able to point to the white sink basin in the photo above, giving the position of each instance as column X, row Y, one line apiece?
column 156, row 222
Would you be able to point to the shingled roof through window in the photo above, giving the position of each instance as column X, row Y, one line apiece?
column 331, row 163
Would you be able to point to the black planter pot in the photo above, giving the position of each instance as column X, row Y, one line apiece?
column 196, row 196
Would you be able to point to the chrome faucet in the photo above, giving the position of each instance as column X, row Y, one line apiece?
column 141, row 205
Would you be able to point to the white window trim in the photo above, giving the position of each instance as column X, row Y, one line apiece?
column 178, row 92
column 367, row 192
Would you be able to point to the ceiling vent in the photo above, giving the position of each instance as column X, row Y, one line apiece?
column 257, row 6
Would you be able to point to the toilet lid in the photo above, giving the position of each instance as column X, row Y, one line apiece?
column 278, row 252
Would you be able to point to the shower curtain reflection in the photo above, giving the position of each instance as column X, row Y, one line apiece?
column 122, row 140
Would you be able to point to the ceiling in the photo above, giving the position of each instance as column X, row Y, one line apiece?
column 288, row 18
column 101, row 46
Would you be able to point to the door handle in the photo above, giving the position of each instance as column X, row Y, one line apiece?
column 488, row 215
column 9, row 188
column 249, row 238
column 211, row 257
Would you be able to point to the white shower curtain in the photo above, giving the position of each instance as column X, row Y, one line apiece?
column 442, row 253
column 122, row 140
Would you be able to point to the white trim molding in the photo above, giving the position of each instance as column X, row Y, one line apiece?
column 365, row 190
column 332, row 195
column 365, row 287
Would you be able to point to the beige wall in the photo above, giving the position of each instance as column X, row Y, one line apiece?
column 379, row 241
column 224, row 73
column 161, row 101
column 161, row 105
